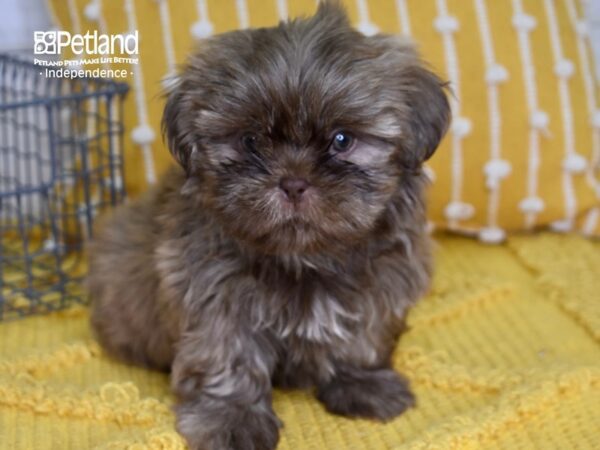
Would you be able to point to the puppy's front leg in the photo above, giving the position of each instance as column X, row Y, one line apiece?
column 221, row 375
column 376, row 393
column 363, row 382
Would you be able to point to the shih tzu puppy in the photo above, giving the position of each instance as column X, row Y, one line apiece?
column 288, row 244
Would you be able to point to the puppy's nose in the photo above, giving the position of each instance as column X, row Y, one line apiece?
column 293, row 187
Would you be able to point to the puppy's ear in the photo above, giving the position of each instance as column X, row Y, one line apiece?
column 419, row 97
column 177, row 126
column 428, row 112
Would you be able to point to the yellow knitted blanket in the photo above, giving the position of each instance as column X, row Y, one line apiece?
column 503, row 353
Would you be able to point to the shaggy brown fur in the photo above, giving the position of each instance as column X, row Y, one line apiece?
column 290, row 243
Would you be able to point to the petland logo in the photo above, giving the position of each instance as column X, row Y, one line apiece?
column 90, row 43
column 89, row 49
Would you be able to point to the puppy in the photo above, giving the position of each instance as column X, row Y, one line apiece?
column 288, row 244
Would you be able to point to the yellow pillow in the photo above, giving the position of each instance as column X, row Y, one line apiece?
column 523, row 150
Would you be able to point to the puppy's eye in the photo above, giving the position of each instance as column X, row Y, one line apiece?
column 249, row 142
column 342, row 142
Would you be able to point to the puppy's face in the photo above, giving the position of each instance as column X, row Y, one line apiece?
column 296, row 137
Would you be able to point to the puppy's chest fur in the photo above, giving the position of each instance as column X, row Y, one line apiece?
column 306, row 303
column 292, row 298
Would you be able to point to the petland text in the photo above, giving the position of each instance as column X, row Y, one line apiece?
column 90, row 43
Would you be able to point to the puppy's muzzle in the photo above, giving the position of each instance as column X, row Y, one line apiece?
column 293, row 188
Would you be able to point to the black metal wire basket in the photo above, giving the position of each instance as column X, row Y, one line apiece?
column 60, row 165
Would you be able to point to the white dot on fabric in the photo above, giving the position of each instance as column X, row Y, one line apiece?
column 575, row 163
column 532, row 205
column 564, row 68
column 92, row 11
column 142, row 134
column 368, row 28
column 446, row 24
column 496, row 170
column 201, row 29
column 492, row 235
column 562, row 226
column 459, row 210
column 496, row 74
column 524, row 22
column 539, row 119
column 461, row 126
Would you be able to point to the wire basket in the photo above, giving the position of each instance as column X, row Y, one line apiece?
column 60, row 165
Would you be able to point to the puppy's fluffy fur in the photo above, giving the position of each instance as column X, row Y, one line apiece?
column 221, row 277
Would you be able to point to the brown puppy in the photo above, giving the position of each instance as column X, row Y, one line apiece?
column 289, row 246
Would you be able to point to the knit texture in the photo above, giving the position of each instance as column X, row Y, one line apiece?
column 502, row 354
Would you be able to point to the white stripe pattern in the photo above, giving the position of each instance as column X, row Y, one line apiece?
column 93, row 12
column 282, row 9
column 563, row 70
column 591, row 221
column 403, row 17
column 142, row 134
column 168, row 78
column 75, row 21
column 203, row 27
column 74, row 16
column 241, row 7
column 579, row 27
column 365, row 26
column 446, row 25
column 496, row 169
column 531, row 205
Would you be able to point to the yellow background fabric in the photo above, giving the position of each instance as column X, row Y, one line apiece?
column 119, row 16
column 502, row 354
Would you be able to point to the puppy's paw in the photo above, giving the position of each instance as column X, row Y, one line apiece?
column 227, row 427
column 379, row 394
